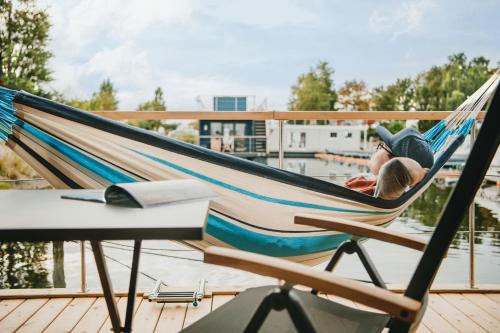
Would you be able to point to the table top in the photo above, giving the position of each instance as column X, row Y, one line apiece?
column 41, row 215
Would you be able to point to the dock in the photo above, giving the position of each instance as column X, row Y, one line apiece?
column 450, row 309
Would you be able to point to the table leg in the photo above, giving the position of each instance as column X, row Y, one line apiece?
column 132, row 288
column 107, row 288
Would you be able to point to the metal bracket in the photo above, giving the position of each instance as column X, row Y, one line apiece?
column 159, row 296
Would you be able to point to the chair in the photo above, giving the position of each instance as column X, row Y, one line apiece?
column 284, row 308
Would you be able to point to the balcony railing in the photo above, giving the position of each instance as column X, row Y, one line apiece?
column 277, row 115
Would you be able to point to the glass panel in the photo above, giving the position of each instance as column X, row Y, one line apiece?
column 241, row 104
column 215, row 129
column 228, row 137
column 240, row 142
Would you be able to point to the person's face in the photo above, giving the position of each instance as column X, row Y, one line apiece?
column 378, row 159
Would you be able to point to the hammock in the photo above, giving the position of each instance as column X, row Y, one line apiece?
column 72, row 148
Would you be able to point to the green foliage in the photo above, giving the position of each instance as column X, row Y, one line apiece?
column 399, row 96
column 354, row 96
column 156, row 104
column 314, row 90
column 441, row 88
column 169, row 127
column 187, row 137
column 104, row 99
column 24, row 32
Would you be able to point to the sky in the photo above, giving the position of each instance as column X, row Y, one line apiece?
column 194, row 49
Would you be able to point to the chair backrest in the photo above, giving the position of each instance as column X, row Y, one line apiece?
column 459, row 201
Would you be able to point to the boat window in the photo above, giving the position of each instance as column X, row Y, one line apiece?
column 215, row 128
column 302, row 142
column 333, row 134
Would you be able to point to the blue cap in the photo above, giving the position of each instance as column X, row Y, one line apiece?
column 408, row 143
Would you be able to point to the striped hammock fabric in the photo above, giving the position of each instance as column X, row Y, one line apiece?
column 254, row 211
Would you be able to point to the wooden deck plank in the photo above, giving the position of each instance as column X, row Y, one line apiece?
column 494, row 297
column 218, row 300
column 45, row 315
column 70, row 316
column 21, row 314
column 193, row 313
column 147, row 317
column 423, row 329
column 171, row 318
column 485, row 303
column 473, row 311
column 453, row 315
column 7, row 306
column 122, row 308
column 435, row 323
column 94, row 318
column 447, row 312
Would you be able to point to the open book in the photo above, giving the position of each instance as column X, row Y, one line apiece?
column 146, row 194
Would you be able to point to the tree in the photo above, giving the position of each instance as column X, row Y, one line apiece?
column 156, row 104
column 314, row 91
column 354, row 96
column 399, row 96
column 24, row 33
column 105, row 99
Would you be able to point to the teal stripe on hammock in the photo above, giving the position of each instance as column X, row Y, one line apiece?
column 7, row 111
column 277, row 246
column 436, row 129
column 85, row 161
column 255, row 195
column 463, row 129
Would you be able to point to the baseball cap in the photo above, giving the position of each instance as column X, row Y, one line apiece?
column 408, row 143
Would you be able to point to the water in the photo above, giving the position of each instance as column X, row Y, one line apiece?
column 39, row 265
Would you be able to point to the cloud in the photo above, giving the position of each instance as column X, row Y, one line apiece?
column 261, row 13
column 79, row 23
column 405, row 18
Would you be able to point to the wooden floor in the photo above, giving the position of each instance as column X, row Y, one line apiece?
column 447, row 312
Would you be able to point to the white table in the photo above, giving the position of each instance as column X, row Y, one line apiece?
column 41, row 215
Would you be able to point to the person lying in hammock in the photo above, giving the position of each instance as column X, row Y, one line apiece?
column 401, row 161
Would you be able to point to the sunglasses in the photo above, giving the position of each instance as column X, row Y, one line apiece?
column 383, row 146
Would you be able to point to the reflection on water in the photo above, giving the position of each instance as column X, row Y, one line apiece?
column 40, row 265
column 23, row 265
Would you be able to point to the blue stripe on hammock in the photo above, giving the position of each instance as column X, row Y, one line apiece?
column 463, row 129
column 85, row 161
column 252, row 194
column 277, row 246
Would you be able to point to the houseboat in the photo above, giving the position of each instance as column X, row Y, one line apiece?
column 244, row 138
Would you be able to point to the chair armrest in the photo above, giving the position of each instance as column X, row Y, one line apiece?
column 361, row 230
column 399, row 306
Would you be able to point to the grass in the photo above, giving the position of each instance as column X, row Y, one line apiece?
column 13, row 167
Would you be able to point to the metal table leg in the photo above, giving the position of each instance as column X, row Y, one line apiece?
column 107, row 288
column 132, row 288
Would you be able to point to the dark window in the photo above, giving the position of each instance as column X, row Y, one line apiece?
column 333, row 134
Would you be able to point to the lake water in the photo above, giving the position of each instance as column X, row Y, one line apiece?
column 35, row 265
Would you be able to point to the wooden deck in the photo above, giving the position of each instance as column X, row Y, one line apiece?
column 35, row 311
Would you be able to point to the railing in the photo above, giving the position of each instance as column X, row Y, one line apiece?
column 276, row 115
column 281, row 117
